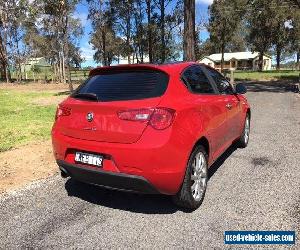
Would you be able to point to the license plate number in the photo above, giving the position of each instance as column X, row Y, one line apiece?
column 95, row 160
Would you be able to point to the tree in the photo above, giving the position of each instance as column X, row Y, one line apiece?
column 294, row 35
column 280, row 38
column 150, row 25
column 135, row 29
column 261, row 28
column 205, row 48
column 296, row 2
column 223, row 23
column 189, row 37
column 140, row 29
column 238, row 42
column 124, row 12
column 55, row 34
column 162, row 24
column 3, row 41
column 13, row 17
column 109, row 46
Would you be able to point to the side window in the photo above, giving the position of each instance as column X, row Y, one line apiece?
column 222, row 84
column 197, row 81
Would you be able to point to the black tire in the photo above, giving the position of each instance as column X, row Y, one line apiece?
column 185, row 197
column 243, row 141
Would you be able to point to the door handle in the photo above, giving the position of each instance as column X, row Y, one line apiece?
column 229, row 105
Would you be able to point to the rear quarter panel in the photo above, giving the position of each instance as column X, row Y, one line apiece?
column 194, row 118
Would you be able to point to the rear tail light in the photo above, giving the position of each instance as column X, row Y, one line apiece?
column 158, row 118
column 62, row 111
column 136, row 114
column 162, row 118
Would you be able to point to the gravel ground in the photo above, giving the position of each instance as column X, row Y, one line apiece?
column 257, row 188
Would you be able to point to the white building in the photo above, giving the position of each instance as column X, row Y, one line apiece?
column 133, row 60
column 237, row 60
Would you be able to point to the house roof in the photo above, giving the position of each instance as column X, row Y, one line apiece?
column 37, row 61
column 234, row 55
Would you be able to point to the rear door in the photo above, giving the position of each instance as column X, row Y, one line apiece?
column 211, row 106
column 232, row 103
column 96, row 103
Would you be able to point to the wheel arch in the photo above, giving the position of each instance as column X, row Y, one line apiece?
column 249, row 112
column 205, row 143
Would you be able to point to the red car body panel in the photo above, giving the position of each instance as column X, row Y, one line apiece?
column 136, row 148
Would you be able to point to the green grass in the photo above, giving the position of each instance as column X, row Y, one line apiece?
column 21, row 121
column 267, row 75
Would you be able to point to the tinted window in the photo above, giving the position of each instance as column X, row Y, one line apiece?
column 197, row 81
column 125, row 85
column 223, row 85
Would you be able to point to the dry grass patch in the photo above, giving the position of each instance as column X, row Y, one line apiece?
column 26, row 164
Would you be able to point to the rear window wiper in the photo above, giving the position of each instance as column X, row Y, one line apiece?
column 86, row 96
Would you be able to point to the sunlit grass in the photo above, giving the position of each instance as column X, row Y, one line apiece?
column 267, row 75
column 21, row 121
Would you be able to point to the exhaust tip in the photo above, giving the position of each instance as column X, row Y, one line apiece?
column 63, row 173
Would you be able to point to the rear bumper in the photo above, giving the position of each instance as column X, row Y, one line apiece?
column 119, row 181
column 158, row 157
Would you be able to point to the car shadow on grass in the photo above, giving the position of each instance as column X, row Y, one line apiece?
column 136, row 203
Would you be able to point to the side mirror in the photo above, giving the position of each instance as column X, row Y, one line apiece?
column 240, row 88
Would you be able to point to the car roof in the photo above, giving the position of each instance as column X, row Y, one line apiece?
column 166, row 67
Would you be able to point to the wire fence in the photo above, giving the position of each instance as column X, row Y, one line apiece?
column 47, row 76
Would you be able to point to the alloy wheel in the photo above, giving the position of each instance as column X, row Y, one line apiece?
column 199, row 176
column 247, row 130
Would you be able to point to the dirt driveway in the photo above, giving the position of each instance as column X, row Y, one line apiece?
column 257, row 188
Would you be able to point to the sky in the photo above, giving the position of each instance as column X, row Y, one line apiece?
column 86, row 48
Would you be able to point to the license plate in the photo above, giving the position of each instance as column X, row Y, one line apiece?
column 95, row 160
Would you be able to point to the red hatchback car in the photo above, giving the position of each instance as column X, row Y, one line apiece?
column 150, row 128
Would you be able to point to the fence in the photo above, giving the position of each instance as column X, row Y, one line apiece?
column 46, row 75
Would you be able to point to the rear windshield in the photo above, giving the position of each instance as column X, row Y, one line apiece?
column 125, row 85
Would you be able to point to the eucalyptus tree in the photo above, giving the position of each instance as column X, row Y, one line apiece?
column 294, row 35
column 189, row 37
column 55, row 35
column 104, row 38
column 225, row 16
column 261, row 27
column 3, row 40
column 13, row 17
column 280, row 37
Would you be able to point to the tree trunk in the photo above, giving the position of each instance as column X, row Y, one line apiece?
column 54, row 72
column 298, row 60
column 162, row 30
column 3, row 46
column 63, row 67
column 128, row 33
column 66, row 47
column 128, row 41
column 60, row 68
column 105, row 61
column 189, row 31
column 149, row 31
column 260, row 61
column 222, row 57
column 278, row 57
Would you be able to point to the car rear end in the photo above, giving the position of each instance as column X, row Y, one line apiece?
column 113, row 131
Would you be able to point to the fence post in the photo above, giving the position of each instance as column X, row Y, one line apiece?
column 231, row 76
